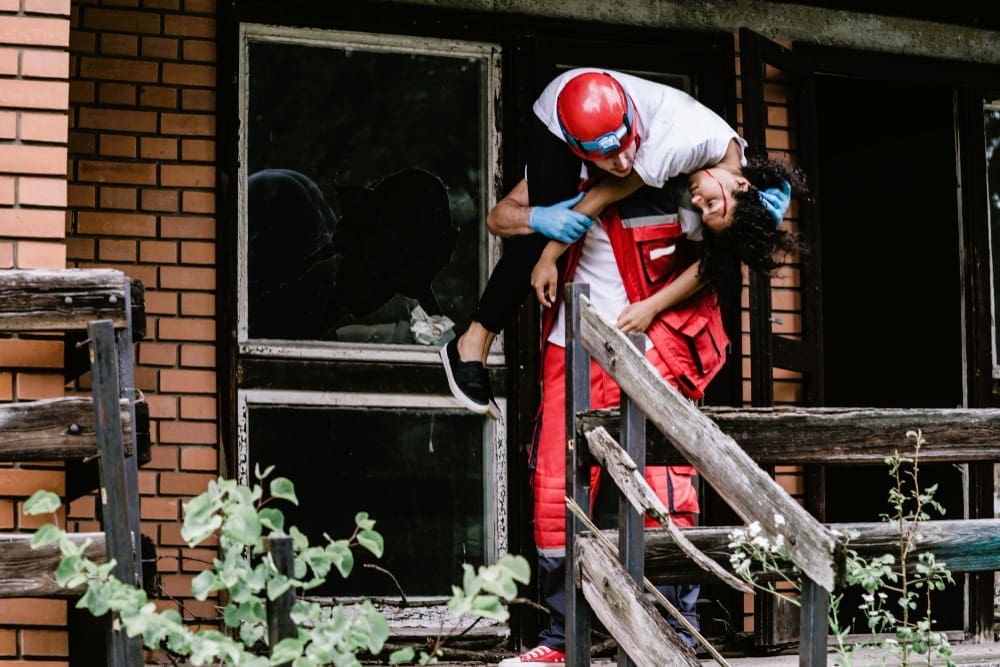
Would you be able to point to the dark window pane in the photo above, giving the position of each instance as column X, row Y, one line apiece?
column 991, row 118
column 418, row 473
column 364, row 191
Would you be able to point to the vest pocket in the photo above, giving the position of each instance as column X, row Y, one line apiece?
column 700, row 327
column 657, row 248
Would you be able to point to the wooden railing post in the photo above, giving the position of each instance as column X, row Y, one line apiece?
column 279, row 610
column 813, row 625
column 578, row 461
column 631, row 522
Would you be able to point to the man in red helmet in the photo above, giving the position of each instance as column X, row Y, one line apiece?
column 637, row 131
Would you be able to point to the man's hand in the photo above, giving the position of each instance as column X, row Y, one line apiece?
column 637, row 317
column 559, row 222
column 543, row 278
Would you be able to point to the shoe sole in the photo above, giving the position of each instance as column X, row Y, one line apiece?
column 456, row 393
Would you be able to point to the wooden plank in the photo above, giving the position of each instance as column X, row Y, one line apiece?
column 52, row 429
column 633, row 485
column 578, row 462
column 804, row 436
column 631, row 619
column 56, row 300
column 27, row 572
column 969, row 545
column 751, row 493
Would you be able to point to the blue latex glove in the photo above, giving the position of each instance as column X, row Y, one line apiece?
column 777, row 201
column 559, row 222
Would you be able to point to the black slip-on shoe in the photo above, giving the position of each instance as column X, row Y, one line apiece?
column 468, row 380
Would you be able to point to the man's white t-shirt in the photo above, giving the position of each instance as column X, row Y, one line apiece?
column 679, row 135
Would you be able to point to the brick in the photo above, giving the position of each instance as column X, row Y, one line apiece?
column 45, row 63
column 22, row 353
column 6, row 514
column 194, row 99
column 146, row 378
column 185, row 483
column 41, row 255
column 82, row 42
column 191, row 176
column 121, row 20
column 107, row 171
column 49, row 127
column 199, row 458
column 116, row 250
column 160, row 302
column 197, row 253
column 81, row 196
column 117, row 119
column 82, row 143
column 199, row 6
column 199, row 50
column 41, row 191
column 31, row 31
column 15, row 159
column 123, row 198
column 121, row 94
column 82, row 92
column 8, row 62
column 162, row 200
column 162, row 4
column 187, row 278
column 200, row 356
column 157, row 354
column 34, row 522
column 24, row 482
column 78, row 248
column 183, row 381
column 162, row 407
column 6, row 390
column 157, row 148
column 6, row 190
column 8, row 642
column 157, row 507
column 188, row 26
column 161, row 48
column 60, row 7
column 116, row 69
column 163, row 457
column 33, row 223
column 158, row 96
column 188, row 124
column 8, row 125
column 186, row 329
column 6, row 262
column 30, row 386
column 198, row 408
column 33, row 611
column 117, row 145
column 113, row 44
column 117, row 3
column 189, row 75
column 158, row 252
column 198, row 150
column 198, row 304
column 116, row 224
column 35, row 94
column 183, row 227
column 83, row 507
column 147, row 487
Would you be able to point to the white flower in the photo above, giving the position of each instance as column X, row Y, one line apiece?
column 779, row 520
column 779, row 541
column 754, row 529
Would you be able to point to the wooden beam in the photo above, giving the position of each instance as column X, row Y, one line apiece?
column 804, row 436
column 27, row 572
column 57, row 300
column 52, row 429
column 752, row 494
column 970, row 545
column 636, row 489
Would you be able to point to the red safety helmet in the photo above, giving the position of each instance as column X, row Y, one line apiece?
column 596, row 116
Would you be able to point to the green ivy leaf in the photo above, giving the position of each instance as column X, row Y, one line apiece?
column 203, row 584
column 243, row 525
column 282, row 487
column 372, row 541
column 262, row 475
column 363, row 522
column 489, row 606
column 47, row 534
column 401, row 656
column 516, row 567
column 42, row 502
column 276, row 586
column 286, row 650
column 271, row 518
column 341, row 557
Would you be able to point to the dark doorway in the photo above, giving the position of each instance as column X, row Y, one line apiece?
column 891, row 275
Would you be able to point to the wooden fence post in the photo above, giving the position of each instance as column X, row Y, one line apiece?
column 279, row 610
column 578, row 461
column 813, row 625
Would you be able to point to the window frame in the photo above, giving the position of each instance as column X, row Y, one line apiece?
column 490, row 247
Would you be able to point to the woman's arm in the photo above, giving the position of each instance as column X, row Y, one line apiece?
column 637, row 316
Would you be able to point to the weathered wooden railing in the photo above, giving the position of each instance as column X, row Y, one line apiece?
column 705, row 439
column 97, row 303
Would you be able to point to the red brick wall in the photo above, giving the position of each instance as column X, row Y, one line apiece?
column 34, row 94
column 142, row 200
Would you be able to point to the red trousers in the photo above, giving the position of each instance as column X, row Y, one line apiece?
column 672, row 484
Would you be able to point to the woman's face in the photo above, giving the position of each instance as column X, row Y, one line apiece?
column 712, row 193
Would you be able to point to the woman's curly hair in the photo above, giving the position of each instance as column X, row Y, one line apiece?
column 752, row 237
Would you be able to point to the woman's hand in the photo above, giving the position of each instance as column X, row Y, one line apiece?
column 544, row 277
column 637, row 317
